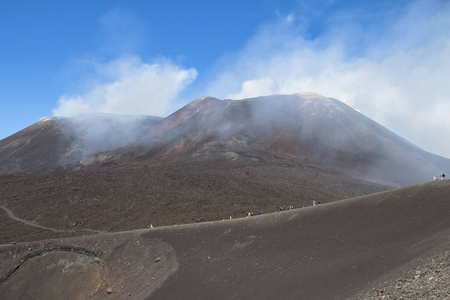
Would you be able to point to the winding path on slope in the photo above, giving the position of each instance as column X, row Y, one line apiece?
column 14, row 217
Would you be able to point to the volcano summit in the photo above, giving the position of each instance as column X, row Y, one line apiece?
column 307, row 127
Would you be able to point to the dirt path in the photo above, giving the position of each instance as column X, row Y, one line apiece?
column 14, row 217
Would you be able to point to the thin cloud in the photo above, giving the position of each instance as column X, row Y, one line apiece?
column 396, row 72
column 109, row 79
column 120, row 32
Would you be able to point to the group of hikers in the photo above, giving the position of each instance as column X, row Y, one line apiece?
column 281, row 208
column 251, row 214
column 277, row 209
column 441, row 177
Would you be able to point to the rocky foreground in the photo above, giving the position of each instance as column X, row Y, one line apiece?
column 427, row 278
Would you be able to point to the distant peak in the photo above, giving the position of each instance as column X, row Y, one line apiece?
column 202, row 102
column 205, row 99
column 44, row 120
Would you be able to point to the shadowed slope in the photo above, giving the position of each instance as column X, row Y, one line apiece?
column 331, row 251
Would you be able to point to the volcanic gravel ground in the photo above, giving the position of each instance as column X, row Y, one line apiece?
column 425, row 278
column 132, row 197
column 333, row 251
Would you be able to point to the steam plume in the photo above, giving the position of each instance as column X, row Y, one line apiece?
column 396, row 72
column 131, row 87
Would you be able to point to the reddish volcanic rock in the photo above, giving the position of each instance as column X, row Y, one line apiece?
column 312, row 128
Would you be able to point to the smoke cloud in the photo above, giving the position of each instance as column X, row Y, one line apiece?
column 129, row 86
column 394, row 69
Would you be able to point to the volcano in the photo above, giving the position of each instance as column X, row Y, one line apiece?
column 310, row 128
column 210, row 160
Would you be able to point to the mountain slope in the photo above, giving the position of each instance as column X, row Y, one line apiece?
column 131, row 197
column 312, row 128
column 34, row 148
column 55, row 143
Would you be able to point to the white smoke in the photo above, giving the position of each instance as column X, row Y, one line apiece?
column 129, row 86
column 396, row 71
column 254, row 88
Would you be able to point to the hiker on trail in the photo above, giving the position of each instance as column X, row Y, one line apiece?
column 443, row 176
column 314, row 202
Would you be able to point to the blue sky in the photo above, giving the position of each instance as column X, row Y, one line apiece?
column 388, row 59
